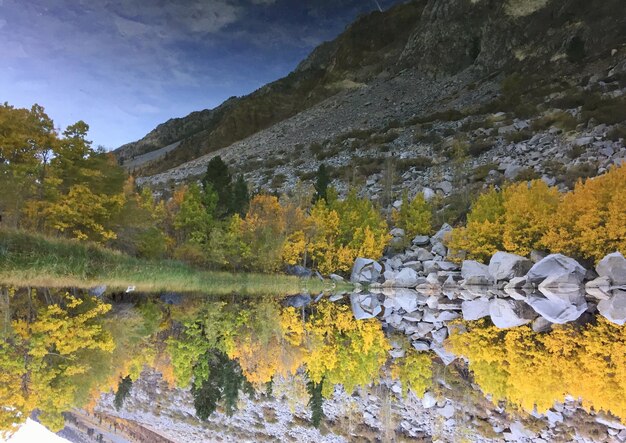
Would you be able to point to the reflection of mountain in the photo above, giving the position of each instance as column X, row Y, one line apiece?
column 254, row 367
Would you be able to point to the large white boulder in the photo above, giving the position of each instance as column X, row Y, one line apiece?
column 406, row 299
column 614, row 309
column 507, row 313
column 614, row 267
column 558, row 270
column 505, row 266
column 475, row 273
column 559, row 306
column 365, row 271
column 475, row 309
column 599, row 288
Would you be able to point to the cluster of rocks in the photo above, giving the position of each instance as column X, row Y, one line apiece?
column 425, row 290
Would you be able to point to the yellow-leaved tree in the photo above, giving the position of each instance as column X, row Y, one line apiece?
column 414, row 216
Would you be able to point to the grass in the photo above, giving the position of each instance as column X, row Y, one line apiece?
column 33, row 260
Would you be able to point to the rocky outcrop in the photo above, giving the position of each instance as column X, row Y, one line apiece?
column 505, row 266
column 365, row 271
column 556, row 270
column 475, row 273
column 613, row 266
column 506, row 313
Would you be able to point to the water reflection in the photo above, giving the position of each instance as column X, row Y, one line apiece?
column 64, row 350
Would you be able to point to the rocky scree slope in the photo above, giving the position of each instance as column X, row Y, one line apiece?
column 516, row 83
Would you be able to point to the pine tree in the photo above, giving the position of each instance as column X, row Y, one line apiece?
column 218, row 176
column 316, row 401
column 321, row 183
column 240, row 197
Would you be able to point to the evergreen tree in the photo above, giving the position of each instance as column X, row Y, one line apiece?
column 123, row 389
column 218, row 176
column 321, row 183
column 240, row 198
column 316, row 401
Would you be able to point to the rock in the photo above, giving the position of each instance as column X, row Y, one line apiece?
column 393, row 263
column 439, row 249
column 582, row 141
column 475, row 273
column 510, row 313
column 432, row 279
column 554, row 417
column 171, row 298
column 439, row 335
column 512, row 171
column 613, row 266
column 336, row 278
column 447, row 266
column 614, row 309
column 517, row 283
column 475, row 309
column 440, row 236
column 406, row 278
column 447, row 411
column 431, row 266
column 445, row 356
column 558, row 270
column 519, row 432
column 560, row 308
column 365, row 271
column 420, row 346
column 505, row 266
column 609, row 422
column 415, row 265
column 428, row 193
column 397, row 232
column 424, row 328
column 445, row 186
column 297, row 301
column 365, row 306
column 599, row 288
column 335, row 297
column 98, row 291
column 428, row 400
column 407, row 299
column 424, row 254
column 540, row 325
column 421, row 240
column 299, row 271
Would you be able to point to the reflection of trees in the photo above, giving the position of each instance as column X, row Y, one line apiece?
column 529, row 369
column 47, row 353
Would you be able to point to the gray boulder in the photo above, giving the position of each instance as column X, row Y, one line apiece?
column 555, row 270
column 424, row 254
column 559, row 307
column 614, row 267
column 365, row 306
column 475, row 309
column 505, row 266
column 406, row 278
column 507, row 313
column 440, row 236
column 365, row 271
column 421, row 240
column 614, row 309
column 475, row 273
column 336, row 278
column 439, row 249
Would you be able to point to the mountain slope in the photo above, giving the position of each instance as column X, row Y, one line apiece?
column 409, row 82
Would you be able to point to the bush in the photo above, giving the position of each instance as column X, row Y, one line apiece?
column 578, row 172
column 605, row 110
column 481, row 172
column 518, row 136
column 527, row 174
column 419, row 162
column 562, row 120
column 617, row 133
column 479, row 147
column 414, row 216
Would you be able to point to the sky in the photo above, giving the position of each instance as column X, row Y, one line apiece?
column 124, row 66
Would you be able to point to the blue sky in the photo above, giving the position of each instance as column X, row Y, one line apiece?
column 124, row 66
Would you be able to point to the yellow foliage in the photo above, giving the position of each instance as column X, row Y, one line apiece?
column 591, row 220
column 414, row 372
column 534, row 370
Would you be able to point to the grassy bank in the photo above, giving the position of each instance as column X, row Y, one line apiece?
column 33, row 260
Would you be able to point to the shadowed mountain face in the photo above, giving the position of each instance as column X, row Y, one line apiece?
column 436, row 39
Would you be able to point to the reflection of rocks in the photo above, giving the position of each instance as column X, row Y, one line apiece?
column 475, row 273
column 506, row 313
column 614, row 309
column 558, row 307
column 365, row 306
column 298, row 300
column 475, row 309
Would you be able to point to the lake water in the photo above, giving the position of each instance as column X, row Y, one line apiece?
column 386, row 365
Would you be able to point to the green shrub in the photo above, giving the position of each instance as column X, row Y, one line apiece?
column 577, row 172
column 518, row 136
column 527, row 174
column 478, row 147
column 605, row 110
column 562, row 120
column 618, row 132
column 419, row 162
